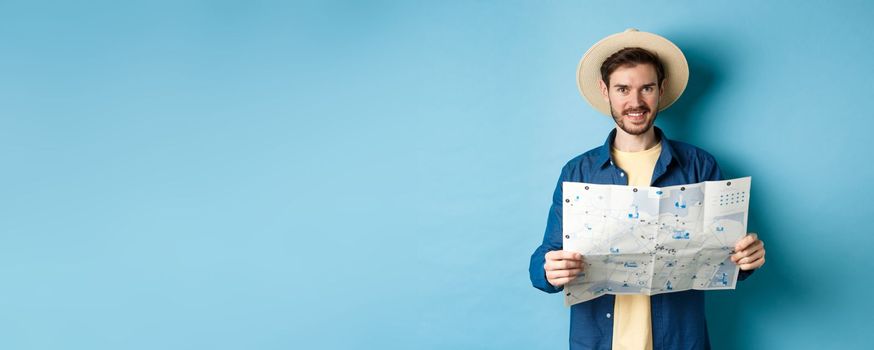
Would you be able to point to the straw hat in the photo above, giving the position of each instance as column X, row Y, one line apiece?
column 589, row 70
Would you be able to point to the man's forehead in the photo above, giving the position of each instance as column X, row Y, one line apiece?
column 643, row 74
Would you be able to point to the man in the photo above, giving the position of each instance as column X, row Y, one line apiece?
column 632, row 76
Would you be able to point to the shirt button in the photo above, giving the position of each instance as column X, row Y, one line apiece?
column 621, row 174
column 608, row 315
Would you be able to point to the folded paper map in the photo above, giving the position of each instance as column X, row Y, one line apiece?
column 649, row 240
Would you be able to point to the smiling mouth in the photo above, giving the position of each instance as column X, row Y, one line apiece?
column 636, row 115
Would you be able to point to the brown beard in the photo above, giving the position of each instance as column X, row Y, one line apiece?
column 621, row 123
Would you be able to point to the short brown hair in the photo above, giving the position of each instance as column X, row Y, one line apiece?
column 631, row 56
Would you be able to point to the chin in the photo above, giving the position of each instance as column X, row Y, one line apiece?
column 636, row 129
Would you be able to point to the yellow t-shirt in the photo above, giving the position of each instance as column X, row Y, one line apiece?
column 632, row 315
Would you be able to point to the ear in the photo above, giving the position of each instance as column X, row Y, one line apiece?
column 603, row 88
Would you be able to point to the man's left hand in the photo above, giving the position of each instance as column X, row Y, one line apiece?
column 749, row 252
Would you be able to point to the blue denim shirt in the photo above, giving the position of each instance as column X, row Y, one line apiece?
column 678, row 320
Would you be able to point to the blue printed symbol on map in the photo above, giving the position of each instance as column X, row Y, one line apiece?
column 614, row 250
column 630, row 264
column 680, row 234
column 680, row 203
column 633, row 213
column 602, row 290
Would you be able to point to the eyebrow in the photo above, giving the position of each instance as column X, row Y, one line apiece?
column 626, row 86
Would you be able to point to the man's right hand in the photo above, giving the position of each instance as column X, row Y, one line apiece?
column 562, row 266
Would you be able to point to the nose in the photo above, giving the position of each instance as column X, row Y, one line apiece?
column 637, row 99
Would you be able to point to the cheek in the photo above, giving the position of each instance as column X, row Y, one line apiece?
column 618, row 100
column 617, row 105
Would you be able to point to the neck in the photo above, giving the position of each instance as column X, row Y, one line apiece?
column 626, row 142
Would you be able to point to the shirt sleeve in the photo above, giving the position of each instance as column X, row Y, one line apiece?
column 551, row 241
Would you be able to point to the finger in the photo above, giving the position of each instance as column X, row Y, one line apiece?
column 749, row 246
column 558, row 282
column 563, row 255
column 757, row 246
column 737, row 256
column 562, row 265
column 562, row 280
column 744, row 242
column 571, row 264
column 563, row 273
column 753, row 257
column 570, row 255
column 550, row 255
column 753, row 265
column 558, row 265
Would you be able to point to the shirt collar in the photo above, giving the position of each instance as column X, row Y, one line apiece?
column 665, row 158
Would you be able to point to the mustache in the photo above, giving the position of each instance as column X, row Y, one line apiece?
column 636, row 110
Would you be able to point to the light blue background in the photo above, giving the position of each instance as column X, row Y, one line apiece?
column 375, row 175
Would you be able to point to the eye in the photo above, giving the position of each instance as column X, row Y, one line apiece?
column 622, row 89
column 648, row 89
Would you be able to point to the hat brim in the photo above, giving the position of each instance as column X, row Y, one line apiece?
column 673, row 60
